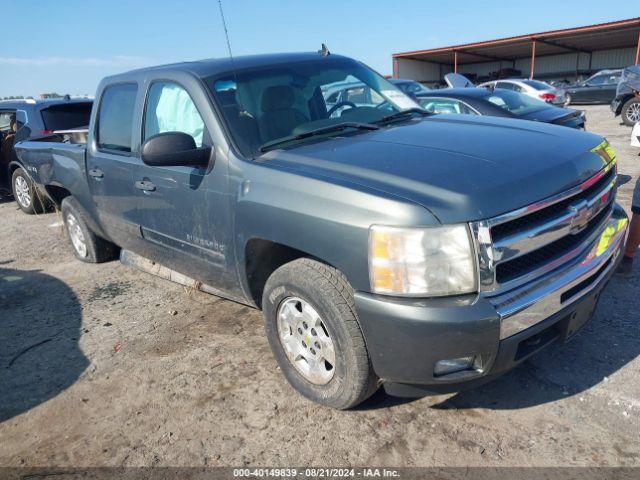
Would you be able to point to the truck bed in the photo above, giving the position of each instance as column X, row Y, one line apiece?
column 54, row 160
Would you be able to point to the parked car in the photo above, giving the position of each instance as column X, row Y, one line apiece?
column 627, row 101
column 24, row 119
column 350, row 94
column 598, row 88
column 533, row 88
column 410, row 87
column 384, row 245
column 499, row 103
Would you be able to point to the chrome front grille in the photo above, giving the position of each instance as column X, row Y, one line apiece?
column 520, row 246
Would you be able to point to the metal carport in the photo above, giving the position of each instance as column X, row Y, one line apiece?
column 557, row 53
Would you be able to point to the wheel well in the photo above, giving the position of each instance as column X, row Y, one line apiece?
column 262, row 258
column 57, row 194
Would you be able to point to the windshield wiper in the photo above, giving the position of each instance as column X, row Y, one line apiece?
column 402, row 114
column 338, row 127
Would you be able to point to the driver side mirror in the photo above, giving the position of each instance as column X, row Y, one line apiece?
column 174, row 149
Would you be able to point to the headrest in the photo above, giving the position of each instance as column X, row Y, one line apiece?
column 279, row 97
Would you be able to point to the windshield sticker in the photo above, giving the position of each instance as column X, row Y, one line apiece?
column 399, row 99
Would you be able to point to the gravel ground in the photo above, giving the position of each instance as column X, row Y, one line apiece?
column 102, row 365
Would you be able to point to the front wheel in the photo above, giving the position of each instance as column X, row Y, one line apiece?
column 567, row 100
column 315, row 336
column 25, row 193
column 631, row 111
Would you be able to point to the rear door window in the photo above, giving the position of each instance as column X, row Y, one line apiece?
column 505, row 85
column 115, row 118
column 66, row 116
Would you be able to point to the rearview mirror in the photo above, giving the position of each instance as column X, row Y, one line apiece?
column 174, row 149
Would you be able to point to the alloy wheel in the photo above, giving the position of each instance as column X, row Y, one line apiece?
column 306, row 340
column 76, row 235
column 633, row 112
column 23, row 192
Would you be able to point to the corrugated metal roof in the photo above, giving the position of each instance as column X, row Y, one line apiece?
column 619, row 34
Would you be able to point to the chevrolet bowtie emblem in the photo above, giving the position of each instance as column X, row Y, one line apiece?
column 581, row 214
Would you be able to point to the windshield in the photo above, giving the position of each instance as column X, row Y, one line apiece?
column 515, row 102
column 537, row 84
column 265, row 104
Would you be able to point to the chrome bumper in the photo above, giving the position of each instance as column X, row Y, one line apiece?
column 524, row 307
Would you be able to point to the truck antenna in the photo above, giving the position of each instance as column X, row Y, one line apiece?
column 324, row 51
column 226, row 34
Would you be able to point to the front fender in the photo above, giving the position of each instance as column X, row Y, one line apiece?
column 320, row 217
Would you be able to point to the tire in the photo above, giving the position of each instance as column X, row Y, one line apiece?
column 567, row 100
column 631, row 111
column 305, row 283
column 25, row 194
column 86, row 245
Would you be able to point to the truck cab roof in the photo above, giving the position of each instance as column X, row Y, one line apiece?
column 214, row 66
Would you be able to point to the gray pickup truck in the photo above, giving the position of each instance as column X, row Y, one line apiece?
column 385, row 246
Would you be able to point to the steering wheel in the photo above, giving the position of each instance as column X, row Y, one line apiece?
column 340, row 105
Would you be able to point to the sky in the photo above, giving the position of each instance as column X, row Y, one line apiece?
column 67, row 46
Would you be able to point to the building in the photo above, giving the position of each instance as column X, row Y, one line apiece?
column 558, row 54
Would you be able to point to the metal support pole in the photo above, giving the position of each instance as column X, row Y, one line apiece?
column 395, row 68
column 638, row 50
column 455, row 62
column 533, row 58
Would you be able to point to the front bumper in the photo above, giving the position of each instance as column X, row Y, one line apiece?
column 407, row 337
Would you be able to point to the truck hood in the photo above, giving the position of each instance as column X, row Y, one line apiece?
column 461, row 168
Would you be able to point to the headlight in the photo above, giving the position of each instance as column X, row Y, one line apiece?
column 434, row 261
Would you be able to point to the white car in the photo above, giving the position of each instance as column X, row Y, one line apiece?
column 635, row 135
column 532, row 88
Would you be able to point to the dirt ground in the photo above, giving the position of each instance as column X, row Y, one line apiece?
column 102, row 365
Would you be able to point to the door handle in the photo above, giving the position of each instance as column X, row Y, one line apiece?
column 145, row 186
column 96, row 173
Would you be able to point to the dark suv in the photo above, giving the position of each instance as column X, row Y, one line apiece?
column 25, row 119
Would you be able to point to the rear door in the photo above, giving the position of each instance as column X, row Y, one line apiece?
column 183, row 212
column 595, row 89
column 609, row 87
column 110, row 162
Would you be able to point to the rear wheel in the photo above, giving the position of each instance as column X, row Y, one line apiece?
column 567, row 100
column 25, row 193
column 86, row 245
column 315, row 336
column 631, row 111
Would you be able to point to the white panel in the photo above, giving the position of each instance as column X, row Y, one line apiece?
column 419, row 71
column 618, row 58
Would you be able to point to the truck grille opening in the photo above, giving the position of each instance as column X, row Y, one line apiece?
column 498, row 232
column 572, row 292
column 525, row 264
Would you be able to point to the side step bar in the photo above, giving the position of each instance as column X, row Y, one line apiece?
column 139, row 262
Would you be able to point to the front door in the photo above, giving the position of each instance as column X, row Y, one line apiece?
column 183, row 212
column 110, row 163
